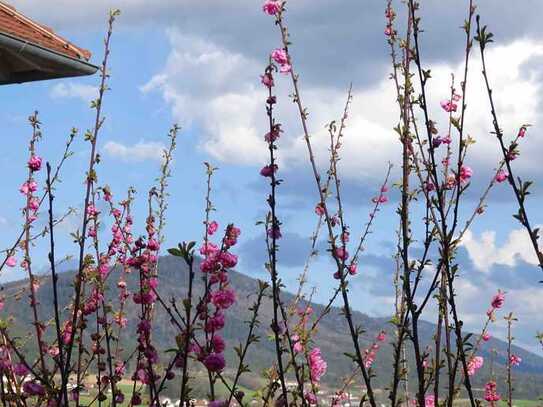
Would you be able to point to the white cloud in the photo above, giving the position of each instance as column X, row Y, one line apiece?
column 141, row 151
column 211, row 87
column 218, row 90
column 484, row 252
column 74, row 90
column 516, row 90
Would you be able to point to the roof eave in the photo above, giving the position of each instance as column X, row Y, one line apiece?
column 39, row 63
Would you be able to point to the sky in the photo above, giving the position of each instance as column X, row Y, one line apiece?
column 197, row 63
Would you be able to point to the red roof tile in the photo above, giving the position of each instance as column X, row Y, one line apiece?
column 16, row 24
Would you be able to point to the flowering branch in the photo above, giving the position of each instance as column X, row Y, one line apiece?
column 520, row 189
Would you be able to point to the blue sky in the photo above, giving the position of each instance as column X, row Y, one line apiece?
column 197, row 64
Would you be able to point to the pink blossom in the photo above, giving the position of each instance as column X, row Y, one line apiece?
column 285, row 68
column 273, row 135
column 319, row 209
column 67, row 333
column 339, row 397
column 212, row 228
column 501, row 175
column 475, row 364
column 310, row 397
column 522, row 131
column 486, row 337
column 429, row 401
column 341, row 253
column 275, row 232
column 280, row 56
column 153, row 283
column 271, row 7
column 11, row 261
column 136, row 400
column 20, row 369
column 214, row 362
column 369, row 358
column 34, row 389
column 298, row 347
column 429, row 186
column 512, row 155
column 465, row 173
column 491, row 393
column 34, row 163
column 352, row 269
column 218, row 343
column 268, row 170
column 515, row 360
column 228, row 260
column 224, row 298
column 143, row 376
column 208, row 265
column 382, row 336
column 153, row 245
column 53, row 351
column 448, row 106
column 28, row 187
column 317, row 365
column 215, row 323
column 208, row 249
column 267, row 80
column 103, row 269
column 34, row 204
column 498, row 300
column 92, row 232
column 232, row 234
column 92, row 211
column 380, row 199
column 121, row 321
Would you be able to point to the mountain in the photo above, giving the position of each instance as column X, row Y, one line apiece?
column 332, row 336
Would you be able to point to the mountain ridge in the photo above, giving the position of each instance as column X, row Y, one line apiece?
column 332, row 336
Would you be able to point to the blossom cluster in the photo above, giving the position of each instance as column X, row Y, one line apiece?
column 491, row 393
column 371, row 353
column 219, row 296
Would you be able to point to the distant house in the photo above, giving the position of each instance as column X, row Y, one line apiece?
column 30, row 51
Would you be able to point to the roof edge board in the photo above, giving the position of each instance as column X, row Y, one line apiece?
column 78, row 66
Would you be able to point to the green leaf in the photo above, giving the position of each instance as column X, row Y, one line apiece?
column 175, row 252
